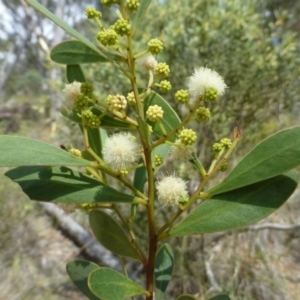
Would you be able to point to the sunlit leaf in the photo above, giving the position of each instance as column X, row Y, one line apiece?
column 238, row 208
column 63, row 185
column 21, row 151
column 108, row 284
column 275, row 155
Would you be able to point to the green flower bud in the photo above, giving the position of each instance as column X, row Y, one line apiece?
column 108, row 37
column 92, row 13
column 123, row 172
column 154, row 113
column 162, row 70
column 158, row 160
column 75, row 152
column 81, row 102
column 116, row 102
column 182, row 96
column 224, row 166
column 131, row 99
column 217, row 147
column 132, row 5
column 202, row 114
column 90, row 119
column 155, row 46
column 188, row 136
column 122, row 27
column 210, row 94
column 164, row 86
column 226, row 143
column 87, row 89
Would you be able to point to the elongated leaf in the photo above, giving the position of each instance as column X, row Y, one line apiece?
column 170, row 119
column 144, row 4
column 240, row 207
column 21, row 151
column 75, row 52
column 63, row 25
column 78, row 271
column 108, row 284
column 163, row 269
column 220, row 297
column 186, row 297
column 275, row 155
column 111, row 235
column 63, row 185
column 74, row 73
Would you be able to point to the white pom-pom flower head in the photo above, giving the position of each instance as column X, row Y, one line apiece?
column 71, row 91
column 205, row 80
column 148, row 62
column 171, row 190
column 121, row 150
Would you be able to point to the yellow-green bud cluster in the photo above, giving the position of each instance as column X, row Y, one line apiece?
column 224, row 166
column 227, row 143
column 92, row 13
column 164, row 86
column 90, row 119
column 154, row 113
column 150, row 129
column 162, row 70
column 158, row 160
column 210, row 94
column 132, row 5
column 183, row 199
column 155, row 46
column 188, row 137
column 87, row 89
column 75, row 152
column 81, row 102
column 122, row 27
column 182, row 96
column 123, row 172
column 131, row 99
column 116, row 102
column 108, row 37
column 109, row 3
column 217, row 147
column 202, row 114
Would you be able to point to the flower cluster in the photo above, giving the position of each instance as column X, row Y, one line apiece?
column 121, row 150
column 172, row 190
column 205, row 83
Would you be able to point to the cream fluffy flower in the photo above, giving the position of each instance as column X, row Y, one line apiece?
column 72, row 90
column 121, row 150
column 204, row 79
column 171, row 190
column 182, row 152
column 148, row 62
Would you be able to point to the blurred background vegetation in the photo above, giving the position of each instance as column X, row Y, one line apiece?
column 254, row 45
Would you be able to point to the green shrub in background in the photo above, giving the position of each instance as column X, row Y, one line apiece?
column 148, row 131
